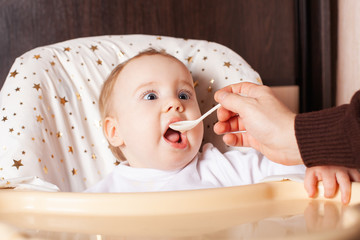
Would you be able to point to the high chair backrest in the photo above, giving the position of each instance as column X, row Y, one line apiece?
column 50, row 125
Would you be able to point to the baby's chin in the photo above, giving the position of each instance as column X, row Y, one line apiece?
column 177, row 164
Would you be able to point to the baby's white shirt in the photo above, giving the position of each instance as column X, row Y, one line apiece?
column 209, row 169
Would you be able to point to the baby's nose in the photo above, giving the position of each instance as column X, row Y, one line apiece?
column 173, row 104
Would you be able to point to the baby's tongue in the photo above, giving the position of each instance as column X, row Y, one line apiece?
column 172, row 136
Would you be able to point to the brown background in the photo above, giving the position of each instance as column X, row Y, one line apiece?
column 287, row 41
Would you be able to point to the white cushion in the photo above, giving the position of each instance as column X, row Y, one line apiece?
column 49, row 120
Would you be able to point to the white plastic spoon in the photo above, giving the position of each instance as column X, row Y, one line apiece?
column 183, row 126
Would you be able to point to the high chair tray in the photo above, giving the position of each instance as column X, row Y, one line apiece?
column 272, row 210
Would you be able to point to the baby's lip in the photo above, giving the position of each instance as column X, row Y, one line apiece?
column 176, row 141
column 172, row 120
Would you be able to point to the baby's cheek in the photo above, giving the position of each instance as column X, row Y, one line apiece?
column 198, row 135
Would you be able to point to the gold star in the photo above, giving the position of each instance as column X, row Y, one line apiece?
column 13, row 74
column 93, row 156
column 52, row 63
column 17, row 89
column 99, row 62
column 189, row 59
column 17, row 164
column 74, row 171
column 63, row 101
column 71, row 149
column 59, row 134
column 158, row 38
column 205, row 58
column 117, row 162
column 78, row 96
column 37, row 86
column 11, row 130
column 67, row 49
column 196, row 83
column 4, row 119
column 227, row 64
column 94, row 48
column 45, row 169
column 37, row 56
column 39, row 118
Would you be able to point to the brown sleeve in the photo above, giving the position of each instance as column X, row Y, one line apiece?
column 330, row 136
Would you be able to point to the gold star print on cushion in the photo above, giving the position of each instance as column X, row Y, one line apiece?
column 49, row 120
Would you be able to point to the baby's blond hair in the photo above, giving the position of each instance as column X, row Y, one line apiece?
column 108, row 87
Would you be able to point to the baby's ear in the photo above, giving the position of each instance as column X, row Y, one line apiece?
column 111, row 130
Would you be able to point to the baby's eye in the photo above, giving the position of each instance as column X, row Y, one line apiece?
column 150, row 96
column 184, row 96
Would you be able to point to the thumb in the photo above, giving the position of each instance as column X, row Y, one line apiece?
column 231, row 101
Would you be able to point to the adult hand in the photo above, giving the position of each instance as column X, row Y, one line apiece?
column 269, row 124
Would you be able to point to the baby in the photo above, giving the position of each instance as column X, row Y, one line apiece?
column 138, row 102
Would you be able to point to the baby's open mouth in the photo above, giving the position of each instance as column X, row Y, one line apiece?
column 173, row 136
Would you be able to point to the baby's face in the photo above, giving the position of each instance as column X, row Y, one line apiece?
column 150, row 93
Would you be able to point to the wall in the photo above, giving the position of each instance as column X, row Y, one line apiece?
column 263, row 32
column 348, row 73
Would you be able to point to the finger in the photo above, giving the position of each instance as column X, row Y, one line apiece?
column 236, row 124
column 354, row 175
column 330, row 185
column 311, row 182
column 221, row 128
column 233, row 103
column 223, row 114
column 236, row 139
column 232, row 125
column 245, row 88
column 343, row 180
column 232, row 140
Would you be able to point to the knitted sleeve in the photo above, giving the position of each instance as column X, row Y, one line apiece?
column 330, row 136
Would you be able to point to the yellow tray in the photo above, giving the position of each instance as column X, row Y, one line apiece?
column 272, row 210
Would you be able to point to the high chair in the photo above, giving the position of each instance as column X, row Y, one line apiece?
column 52, row 140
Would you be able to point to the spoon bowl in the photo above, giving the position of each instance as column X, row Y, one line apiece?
column 184, row 126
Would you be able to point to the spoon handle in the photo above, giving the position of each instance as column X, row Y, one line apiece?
column 209, row 112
